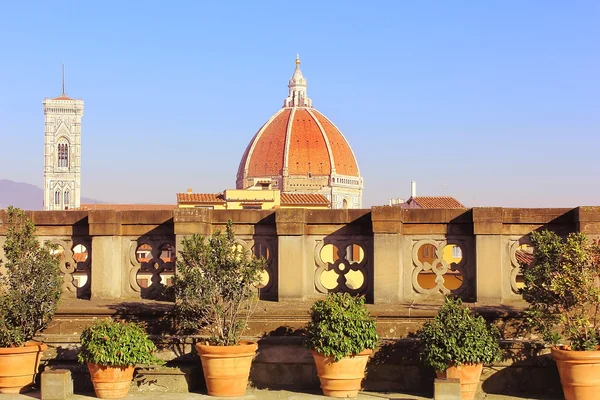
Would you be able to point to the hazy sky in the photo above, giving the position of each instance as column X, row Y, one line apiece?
column 493, row 102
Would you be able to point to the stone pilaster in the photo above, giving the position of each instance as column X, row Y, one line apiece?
column 295, row 279
column 588, row 220
column 388, row 254
column 487, row 228
column 107, row 273
column 190, row 221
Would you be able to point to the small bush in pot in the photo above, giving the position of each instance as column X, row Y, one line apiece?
column 216, row 291
column 456, row 343
column 30, row 288
column 342, row 334
column 111, row 350
column 562, row 287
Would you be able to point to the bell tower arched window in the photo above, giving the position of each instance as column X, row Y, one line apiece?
column 57, row 197
column 63, row 154
column 67, row 198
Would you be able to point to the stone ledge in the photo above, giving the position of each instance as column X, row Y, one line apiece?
column 287, row 309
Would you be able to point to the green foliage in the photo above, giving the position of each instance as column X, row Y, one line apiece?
column 215, row 286
column 562, row 289
column 116, row 343
column 31, row 285
column 340, row 325
column 456, row 336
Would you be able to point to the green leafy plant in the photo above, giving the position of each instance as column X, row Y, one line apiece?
column 340, row 325
column 30, row 287
column 116, row 343
column 562, row 287
column 216, row 286
column 456, row 336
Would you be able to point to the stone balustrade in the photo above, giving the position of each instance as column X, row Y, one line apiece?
column 388, row 254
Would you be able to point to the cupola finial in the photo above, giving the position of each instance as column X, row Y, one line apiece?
column 297, row 89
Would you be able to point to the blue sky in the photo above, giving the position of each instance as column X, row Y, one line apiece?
column 494, row 102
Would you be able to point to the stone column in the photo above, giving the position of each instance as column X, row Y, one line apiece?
column 387, row 254
column 487, row 228
column 107, row 254
column 293, row 277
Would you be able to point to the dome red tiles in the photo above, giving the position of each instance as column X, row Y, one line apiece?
column 314, row 145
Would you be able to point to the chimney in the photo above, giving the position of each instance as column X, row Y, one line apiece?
column 413, row 189
column 190, row 190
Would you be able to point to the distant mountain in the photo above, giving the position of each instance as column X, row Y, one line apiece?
column 25, row 196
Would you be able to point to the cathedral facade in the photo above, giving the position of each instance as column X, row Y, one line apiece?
column 299, row 150
column 62, row 152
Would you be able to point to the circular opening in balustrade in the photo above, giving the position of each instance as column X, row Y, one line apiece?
column 143, row 254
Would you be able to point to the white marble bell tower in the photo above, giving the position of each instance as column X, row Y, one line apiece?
column 62, row 152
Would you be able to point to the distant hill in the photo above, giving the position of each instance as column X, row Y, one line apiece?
column 25, row 196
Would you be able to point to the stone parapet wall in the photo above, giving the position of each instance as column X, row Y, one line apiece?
column 389, row 254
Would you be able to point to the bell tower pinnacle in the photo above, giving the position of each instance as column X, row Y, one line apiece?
column 297, row 89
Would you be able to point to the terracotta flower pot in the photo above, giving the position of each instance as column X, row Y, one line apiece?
column 110, row 382
column 469, row 376
column 341, row 378
column 579, row 373
column 226, row 368
column 18, row 366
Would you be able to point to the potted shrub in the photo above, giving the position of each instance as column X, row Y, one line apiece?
column 562, row 289
column 341, row 334
column 216, row 290
column 30, row 287
column 456, row 343
column 111, row 350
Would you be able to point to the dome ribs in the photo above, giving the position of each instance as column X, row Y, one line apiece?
column 345, row 162
column 266, row 158
column 308, row 150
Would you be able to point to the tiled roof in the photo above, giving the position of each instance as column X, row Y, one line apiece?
column 63, row 97
column 301, row 198
column 200, row 198
column 80, row 257
column 524, row 257
column 437, row 202
column 311, row 137
column 126, row 207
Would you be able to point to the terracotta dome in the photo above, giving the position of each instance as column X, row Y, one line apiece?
column 314, row 146
column 299, row 149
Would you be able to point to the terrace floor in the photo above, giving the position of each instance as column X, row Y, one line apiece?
column 255, row 394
